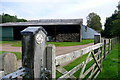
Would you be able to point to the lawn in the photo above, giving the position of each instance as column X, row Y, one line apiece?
column 14, row 43
column 75, row 63
column 57, row 44
column 60, row 44
column 18, row 54
column 110, row 66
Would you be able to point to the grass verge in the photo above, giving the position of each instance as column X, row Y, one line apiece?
column 57, row 44
column 110, row 66
column 60, row 44
column 73, row 64
column 18, row 54
column 14, row 43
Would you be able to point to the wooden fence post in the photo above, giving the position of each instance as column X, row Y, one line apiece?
column 97, row 38
column 109, row 46
column 111, row 43
column 104, row 48
column 33, row 51
column 50, row 61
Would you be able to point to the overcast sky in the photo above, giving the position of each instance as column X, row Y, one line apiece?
column 44, row 9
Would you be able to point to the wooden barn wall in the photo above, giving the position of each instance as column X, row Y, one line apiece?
column 7, row 33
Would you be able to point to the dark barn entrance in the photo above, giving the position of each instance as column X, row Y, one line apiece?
column 63, row 33
column 16, row 32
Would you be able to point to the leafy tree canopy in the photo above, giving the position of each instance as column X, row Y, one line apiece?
column 8, row 18
column 93, row 21
column 112, row 26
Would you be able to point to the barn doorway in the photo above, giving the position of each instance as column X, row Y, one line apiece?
column 16, row 32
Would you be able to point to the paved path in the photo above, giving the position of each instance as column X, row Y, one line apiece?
column 59, row 50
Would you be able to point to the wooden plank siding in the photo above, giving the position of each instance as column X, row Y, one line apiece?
column 7, row 33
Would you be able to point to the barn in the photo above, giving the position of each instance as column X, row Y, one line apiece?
column 87, row 33
column 59, row 30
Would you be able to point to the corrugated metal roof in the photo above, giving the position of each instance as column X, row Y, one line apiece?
column 45, row 22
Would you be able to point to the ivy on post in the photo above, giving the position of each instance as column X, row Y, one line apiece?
column 33, row 51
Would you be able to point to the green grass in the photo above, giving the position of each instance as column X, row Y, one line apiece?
column 113, row 70
column 110, row 66
column 75, row 63
column 57, row 44
column 72, row 65
column 14, row 43
column 18, row 54
column 60, row 44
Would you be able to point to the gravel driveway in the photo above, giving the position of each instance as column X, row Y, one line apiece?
column 59, row 50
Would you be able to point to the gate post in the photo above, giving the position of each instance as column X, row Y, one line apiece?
column 50, row 61
column 97, row 38
column 104, row 49
column 33, row 51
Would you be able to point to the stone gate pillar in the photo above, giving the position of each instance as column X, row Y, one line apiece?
column 33, row 50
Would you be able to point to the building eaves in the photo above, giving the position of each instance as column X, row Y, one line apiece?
column 45, row 22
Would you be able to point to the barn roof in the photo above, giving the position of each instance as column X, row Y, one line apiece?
column 45, row 22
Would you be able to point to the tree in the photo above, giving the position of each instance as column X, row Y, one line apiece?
column 112, row 26
column 93, row 21
column 8, row 18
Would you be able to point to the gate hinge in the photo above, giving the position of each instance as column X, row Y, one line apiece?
column 45, row 73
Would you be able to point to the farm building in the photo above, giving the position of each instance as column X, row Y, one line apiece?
column 59, row 30
column 87, row 33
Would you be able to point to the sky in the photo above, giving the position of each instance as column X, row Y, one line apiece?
column 58, row 9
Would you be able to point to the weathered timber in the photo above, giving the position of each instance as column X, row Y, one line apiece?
column 50, row 60
column 88, row 70
column 96, row 61
column 1, row 74
column 97, row 38
column 93, row 73
column 63, row 71
column 75, row 54
column 106, row 52
column 72, row 71
column 81, row 73
column 109, row 46
column 96, row 74
column 104, row 49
